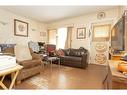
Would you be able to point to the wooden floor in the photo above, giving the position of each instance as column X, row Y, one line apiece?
column 65, row 78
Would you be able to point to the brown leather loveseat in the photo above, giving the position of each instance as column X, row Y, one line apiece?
column 75, row 58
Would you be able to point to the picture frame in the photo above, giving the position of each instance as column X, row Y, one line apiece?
column 20, row 28
column 43, row 34
column 81, row 33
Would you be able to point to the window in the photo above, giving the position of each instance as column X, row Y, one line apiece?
column 58, row 37
column 61, row 37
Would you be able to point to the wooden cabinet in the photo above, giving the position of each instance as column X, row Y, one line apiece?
column 116, row 57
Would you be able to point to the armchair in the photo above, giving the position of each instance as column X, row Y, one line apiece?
column 30, row 67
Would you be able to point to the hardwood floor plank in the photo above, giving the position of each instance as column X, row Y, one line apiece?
column 66, row 78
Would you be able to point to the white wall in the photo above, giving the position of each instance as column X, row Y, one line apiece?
column 122, row 9
column 84, row 21
column 7, row 31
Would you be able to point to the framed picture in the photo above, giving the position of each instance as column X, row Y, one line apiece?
column 81, row 33
column 43, row 34
column 20, row 28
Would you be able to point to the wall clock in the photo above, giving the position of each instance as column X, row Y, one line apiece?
column 101, row 15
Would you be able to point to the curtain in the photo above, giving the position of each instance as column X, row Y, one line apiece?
column 68, row 38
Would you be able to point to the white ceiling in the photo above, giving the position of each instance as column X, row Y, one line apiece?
column 49, row 14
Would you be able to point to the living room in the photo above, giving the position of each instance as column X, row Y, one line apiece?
column 67, row 60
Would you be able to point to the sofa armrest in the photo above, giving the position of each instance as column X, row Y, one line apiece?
column 85, row 60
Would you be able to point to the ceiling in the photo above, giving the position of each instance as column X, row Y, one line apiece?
column 49, row 14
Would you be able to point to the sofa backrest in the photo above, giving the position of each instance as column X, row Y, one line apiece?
column 9, row 50
column 50, row 47
column 4, row 48
column 77, row 52
column 66, row 52
column 74, row 52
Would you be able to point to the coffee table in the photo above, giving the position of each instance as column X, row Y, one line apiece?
column 13, row 71
column 51, row 59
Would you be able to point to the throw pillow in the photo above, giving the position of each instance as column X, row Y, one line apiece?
column 66, row 51
column 59, row 52
column 52, row 53
column 56, row 52
column 22, row 53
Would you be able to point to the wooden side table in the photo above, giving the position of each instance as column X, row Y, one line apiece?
column 13, row 71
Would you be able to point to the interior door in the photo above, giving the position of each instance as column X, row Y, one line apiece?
column 100, row 42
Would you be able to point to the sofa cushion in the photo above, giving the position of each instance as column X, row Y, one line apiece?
column 71, row 58
column 59, row 52
column 22, row 53
column 66, row 52
column 29, row 63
